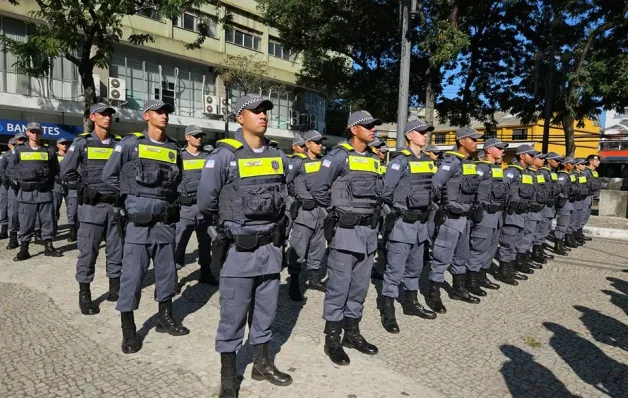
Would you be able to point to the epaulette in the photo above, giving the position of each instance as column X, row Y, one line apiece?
column 83, row 135
column 117, row 137
column 230, row 144
column 135, row 135
column 455, row 153
column 545, row 168
column 45, row 145
column 516, row 166
column 300, row 155
column 373, row 150
column 483, row 161
column 273, row 143
column 346, row 146
column 404, row 152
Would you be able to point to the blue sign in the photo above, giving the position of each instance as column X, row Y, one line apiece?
column 49, row 131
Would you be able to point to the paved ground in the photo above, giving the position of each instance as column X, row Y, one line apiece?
column 562, row 333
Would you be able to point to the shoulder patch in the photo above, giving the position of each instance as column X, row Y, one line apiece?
column 326, row 163
column 395, row 166
column 230, row 143
column 446, row 167
column 346, row 146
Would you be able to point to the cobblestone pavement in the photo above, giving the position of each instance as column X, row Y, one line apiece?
column 562, row 333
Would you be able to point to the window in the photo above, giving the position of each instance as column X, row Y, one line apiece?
column 167, row 93
column 490, row 133
column 149, row 13
column 276, row 49
column 439, row 138
column 520, row 134
column 193, row 22
column 242, row 38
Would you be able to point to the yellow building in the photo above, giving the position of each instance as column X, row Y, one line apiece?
column 509, row 129
column 163, row 69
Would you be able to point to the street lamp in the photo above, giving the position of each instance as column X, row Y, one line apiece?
column 226, row 81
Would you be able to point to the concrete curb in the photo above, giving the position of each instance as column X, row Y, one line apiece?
column 609, row 233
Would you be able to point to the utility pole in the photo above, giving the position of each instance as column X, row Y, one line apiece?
column 405, row 7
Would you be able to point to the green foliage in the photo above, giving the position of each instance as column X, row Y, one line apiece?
column 248, row 74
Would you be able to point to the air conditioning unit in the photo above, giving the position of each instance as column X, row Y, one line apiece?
column 211, row 105
column 225, row 106
column 312, row 121
column 304, row 119
column 294, row 118
column 116, row 89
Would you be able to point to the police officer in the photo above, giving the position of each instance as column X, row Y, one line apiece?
column 563, row 238
column 550, row 179
column 66, row 189
column 146, row 168
column 98, row 206
column 348, row 187
column 581, row 204
column 493, row 195
column 191, row 218
column 307, row 241
column 35, row 166
column 4, row 194
column 243, row 190
column 11, row 184
column 454, row 187
column 513, row 247
column 534, row 217
column 407, row 189
column 596, row 184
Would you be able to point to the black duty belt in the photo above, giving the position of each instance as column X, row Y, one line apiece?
column 348, row 220
column 414, row 215
column 187, row 200
column 33, row 186
column 247, row 243
column 308, row 204
column 492, row 208
column 456, row 215
column 169, row 216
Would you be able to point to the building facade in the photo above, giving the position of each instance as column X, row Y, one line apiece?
column 163, row 69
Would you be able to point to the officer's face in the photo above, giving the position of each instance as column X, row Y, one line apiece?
column 102, row 120
column 298, row 148
column 34, row 135
column 552, row 163
column 158, row 118
column 62, row 147
column 580, row 167
column 527, row 159
column 315, row 147
column 469, row 144
column 538, row 162
column 195, row 140
column 595, row 163
column 495, row 152
column 364, row 133
column 254, row 121
column 418, row 137
column 568, row 166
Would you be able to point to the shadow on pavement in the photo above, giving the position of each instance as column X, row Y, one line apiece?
column 527, row 378
column 603, row 328
column 589, row 362
column 619, row 299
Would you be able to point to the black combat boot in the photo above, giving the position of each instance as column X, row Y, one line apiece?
column 265, row 369
column 570, row 241
column 537, row 255
column 166, row 323
column 579, row 236
column 387, row 314
column 294, row 290
column 228, row 379
column 530, row 261
column 546, row 255
column 4, row 232
column 86, row 305
column 314, row 282
column 460, row 292
column 38, row 240
column 584, row 237
column 49, row 249
column 506, row 272
column 114, row 289
column 333, row 348
column 485, row 282
column 472, row 283
column 354, row 339
column 131, row 343
column 23, row 254
column 13, row 243
column 207, row 278
column 432, row 298
column 72, row 237
column 411, row 306
column 559, row 247
column 521, row 265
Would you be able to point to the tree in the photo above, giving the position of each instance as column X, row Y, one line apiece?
column 248, row 74
column 84, row 32
column 583, row 45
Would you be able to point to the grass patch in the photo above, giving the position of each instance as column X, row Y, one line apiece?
column 531, row 341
